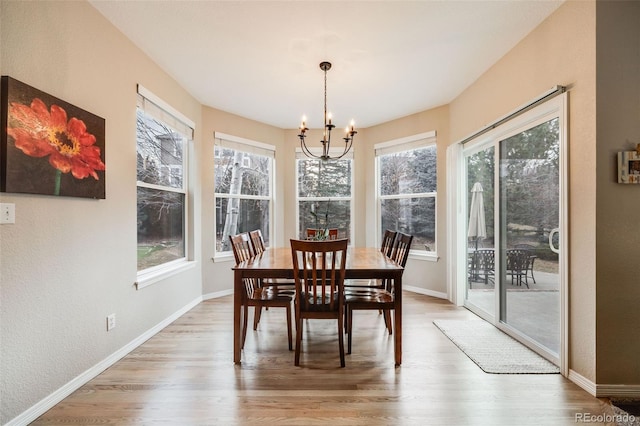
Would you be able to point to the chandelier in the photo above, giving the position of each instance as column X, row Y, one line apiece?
column 328, row 127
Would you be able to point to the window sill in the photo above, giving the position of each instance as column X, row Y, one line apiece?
column 146, row 279
column 223, row 257
column 427, row 256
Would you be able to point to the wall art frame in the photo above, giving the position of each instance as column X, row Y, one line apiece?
column 629, row 166
column 49, row 146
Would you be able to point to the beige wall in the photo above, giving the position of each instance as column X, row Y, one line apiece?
column 618, row 206
column 428, row 276
column 559, row 51
column 67, row 263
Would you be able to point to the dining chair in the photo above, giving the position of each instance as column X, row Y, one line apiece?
column 280, row 285
column 386, row 247
column 318, row 269
column 378, row 298
column 255, row 294
column 332, row 233
column 257, row 241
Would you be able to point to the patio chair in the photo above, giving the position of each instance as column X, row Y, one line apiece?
column 485, row 260
column 517, row 266
column 530, row 249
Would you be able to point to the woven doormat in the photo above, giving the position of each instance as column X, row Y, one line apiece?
column 492, row 350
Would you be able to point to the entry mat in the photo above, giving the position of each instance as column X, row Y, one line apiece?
column 492, row 350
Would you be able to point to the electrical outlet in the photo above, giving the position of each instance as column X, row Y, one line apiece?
column 111, row 322
column 7, row 213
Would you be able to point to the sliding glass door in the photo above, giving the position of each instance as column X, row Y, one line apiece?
column 514, row 221
column 529, row 223
column 480, row 249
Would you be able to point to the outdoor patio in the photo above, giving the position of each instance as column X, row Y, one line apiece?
column 535, row 311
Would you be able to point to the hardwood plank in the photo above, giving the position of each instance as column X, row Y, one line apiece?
column 185, row 375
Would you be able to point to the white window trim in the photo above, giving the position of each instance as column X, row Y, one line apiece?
column 253, row 147
column 420, row 140
column 185, row 126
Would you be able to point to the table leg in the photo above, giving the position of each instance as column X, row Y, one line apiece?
column 398, row 319
column 237, row 309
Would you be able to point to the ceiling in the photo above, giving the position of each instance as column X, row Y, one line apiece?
column 260, row 59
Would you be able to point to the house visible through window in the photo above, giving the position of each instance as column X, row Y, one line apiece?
column 161, row 140
column 243, row 188
column 407, row 182
column 324, row 194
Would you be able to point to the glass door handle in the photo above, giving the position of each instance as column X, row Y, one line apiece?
column 551, row 234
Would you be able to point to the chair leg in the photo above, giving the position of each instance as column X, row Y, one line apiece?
column 257, row 313
column 298, row 340
column 341, row 339
column 349, row 314
column 387, row 321
column 245, row 324
column 289, row 326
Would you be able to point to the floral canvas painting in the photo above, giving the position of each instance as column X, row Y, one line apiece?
column 49, row 146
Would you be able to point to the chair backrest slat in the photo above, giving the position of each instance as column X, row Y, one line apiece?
column 387, row 242
column 401, row 248
column 242, row 249
column 257, row 241
column 313, row 232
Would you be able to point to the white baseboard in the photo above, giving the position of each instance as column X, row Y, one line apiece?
column 217, row 294
column 583, row 382
column 618, row 391
column 48, row 402
column 604, row 390
column 425, row 291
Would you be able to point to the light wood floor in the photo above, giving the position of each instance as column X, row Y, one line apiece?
column 185, row 376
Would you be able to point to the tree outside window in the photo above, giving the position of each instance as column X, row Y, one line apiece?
column 242, row 194
column 407, row 182
column 324, row 195
column 161, row 193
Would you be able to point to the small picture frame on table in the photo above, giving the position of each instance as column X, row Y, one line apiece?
column 629, row 166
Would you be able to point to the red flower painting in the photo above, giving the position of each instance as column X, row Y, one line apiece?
column 49, row 146
column 42, row 133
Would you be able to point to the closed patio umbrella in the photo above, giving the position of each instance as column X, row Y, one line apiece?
column 477, row 226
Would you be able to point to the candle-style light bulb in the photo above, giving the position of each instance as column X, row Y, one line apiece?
column 352, row 125
column 304, row 120
column 329, row 116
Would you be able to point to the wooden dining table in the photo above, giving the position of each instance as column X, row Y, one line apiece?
column 277, row 262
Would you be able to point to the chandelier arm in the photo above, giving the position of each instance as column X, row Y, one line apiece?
column 347, row 148
column 306, row 151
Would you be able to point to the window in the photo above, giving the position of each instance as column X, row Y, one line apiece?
column 162, row 137
column 406, row 182
column 243, row 188
column 324, row 194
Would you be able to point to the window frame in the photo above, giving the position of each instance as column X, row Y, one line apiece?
column 409, row 143
column 349, row 157
column 250, row 146
column 159, row 110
